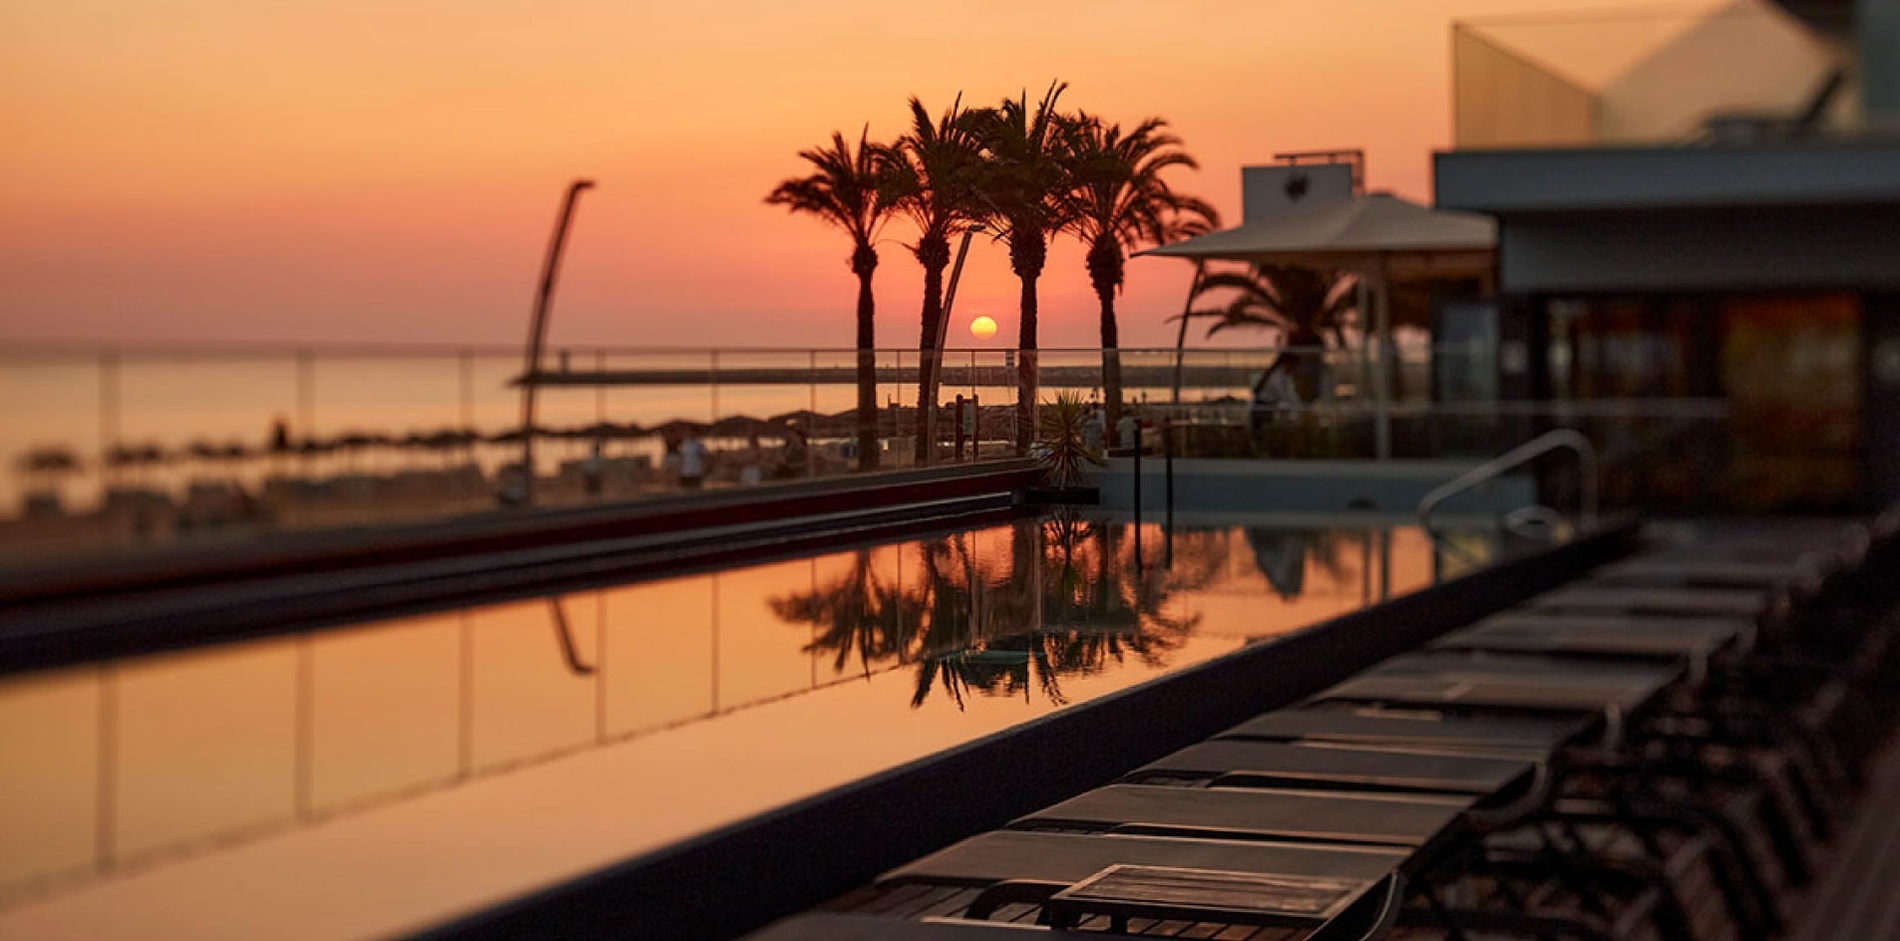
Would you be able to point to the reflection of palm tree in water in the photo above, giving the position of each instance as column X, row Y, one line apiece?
column 856, row 614
column 1069, row 602
column 1074, row 588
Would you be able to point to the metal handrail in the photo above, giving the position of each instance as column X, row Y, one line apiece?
column 1559, row 439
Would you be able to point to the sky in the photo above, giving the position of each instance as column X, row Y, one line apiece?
column 348, row 171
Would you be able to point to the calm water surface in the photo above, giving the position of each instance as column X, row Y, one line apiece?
column 359, row 781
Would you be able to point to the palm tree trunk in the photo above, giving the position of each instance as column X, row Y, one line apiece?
column 867, row 363
column 933, row 253
column 1111, row 360
column 1105, row 273
column 1027, row 254
column 927, row 358
column 1026, row 370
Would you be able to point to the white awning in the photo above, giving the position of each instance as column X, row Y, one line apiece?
column 1365, row 233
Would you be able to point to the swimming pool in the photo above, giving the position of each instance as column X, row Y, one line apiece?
column 383, row 776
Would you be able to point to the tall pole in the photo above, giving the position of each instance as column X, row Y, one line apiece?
column 1382, row 374
column 1180, row 336
column 537, row 332
column 935, row 367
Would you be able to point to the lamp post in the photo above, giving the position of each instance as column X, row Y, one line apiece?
column 935, row 366
column 537, row 333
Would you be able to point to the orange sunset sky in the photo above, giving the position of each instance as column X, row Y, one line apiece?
column 388, row 170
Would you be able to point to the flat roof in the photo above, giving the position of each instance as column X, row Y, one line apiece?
column 1502, row 182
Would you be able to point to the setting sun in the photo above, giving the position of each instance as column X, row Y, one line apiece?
column 983, row 327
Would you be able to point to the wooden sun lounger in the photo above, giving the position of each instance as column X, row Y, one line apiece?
column 1073, row 876
column 1732, row 602
column 1694, row 641
column 1501, row 737
column 1413, row 820
column 846, row 926
column 1241, row 762
column 1699, row 573
column 1522, row 684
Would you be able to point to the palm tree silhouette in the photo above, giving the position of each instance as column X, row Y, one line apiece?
column 857, row 192
column 1309, row 307
column 1123, row 205
column 936, row 175
column 1026, row 187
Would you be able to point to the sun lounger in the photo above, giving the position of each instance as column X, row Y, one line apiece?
column 1073, row 876
column 1696, row 641
column 1239, row 762
column 1412, row 821
column 846, row 926
column 1731, row 602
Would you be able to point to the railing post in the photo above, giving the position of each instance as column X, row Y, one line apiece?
column 1167, row 456
column 1136, row 465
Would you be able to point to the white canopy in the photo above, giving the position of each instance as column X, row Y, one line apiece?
column 1378, row 234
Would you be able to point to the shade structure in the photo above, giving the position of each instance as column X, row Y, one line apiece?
column 1378, row 234
column 1381, row 237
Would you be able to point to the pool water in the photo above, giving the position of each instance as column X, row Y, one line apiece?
column 385, row 776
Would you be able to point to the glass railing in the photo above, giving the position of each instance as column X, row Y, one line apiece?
column 125, row 449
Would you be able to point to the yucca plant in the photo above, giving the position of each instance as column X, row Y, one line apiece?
column 1061, row 441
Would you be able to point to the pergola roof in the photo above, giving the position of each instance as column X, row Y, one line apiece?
column 1376, row 234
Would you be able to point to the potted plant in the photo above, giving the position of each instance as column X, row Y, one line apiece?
column 1068, row 442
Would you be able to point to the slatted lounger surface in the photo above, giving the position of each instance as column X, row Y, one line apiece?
column 1280, row 764
column 1067, row 858
column 1732, row 602
column 1189, row 879
column 1499, row 737
column 1695, row 641
column 1413, row 820
column 1508, row 682
column 844, row 926
column 1692, row 572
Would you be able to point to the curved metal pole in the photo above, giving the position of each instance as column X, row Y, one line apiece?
column 1180, row 336
column 537, row 332
column 928, row 407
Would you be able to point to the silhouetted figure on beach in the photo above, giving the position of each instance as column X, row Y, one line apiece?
column 693, row 461
column 594, row 470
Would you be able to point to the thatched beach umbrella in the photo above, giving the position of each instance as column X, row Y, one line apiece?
column 743, row 426
column 51, row 460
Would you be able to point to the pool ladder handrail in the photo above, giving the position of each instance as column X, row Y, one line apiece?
column 1556, row 440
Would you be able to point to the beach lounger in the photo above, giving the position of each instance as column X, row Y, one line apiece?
column 847, row 926
column 1502, row 737
column 1412, row 821
column 1694, row 641
column 1335, row 891
column 1718, row 602
column 1388, row 768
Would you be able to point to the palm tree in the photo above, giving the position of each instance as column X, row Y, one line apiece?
column 1308, row 307
column 1026, row 187
column 1122, row 206
column 856, row 192
column 937, row 172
